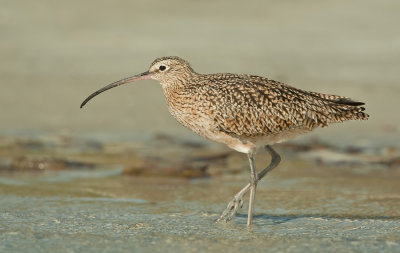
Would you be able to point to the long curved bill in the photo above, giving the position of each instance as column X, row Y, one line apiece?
column 142, row 76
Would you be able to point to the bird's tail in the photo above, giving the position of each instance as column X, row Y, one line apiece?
column 348, row 109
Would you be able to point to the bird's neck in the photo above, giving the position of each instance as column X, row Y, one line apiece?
column 171, row 89
column 177, row 84
column 177, row 94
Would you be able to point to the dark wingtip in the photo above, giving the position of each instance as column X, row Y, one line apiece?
column 346, row 101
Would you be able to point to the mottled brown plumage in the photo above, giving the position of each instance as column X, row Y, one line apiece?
column 243, row 111
column 246, row 107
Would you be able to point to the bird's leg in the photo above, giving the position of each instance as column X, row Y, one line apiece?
column 253, row 187
column 275, row 160
column 237, row 200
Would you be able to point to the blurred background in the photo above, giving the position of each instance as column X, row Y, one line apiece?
column 55, row 53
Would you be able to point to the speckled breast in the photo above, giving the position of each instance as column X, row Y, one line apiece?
column 191, row 110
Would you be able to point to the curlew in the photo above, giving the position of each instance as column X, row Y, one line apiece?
column 244, row 112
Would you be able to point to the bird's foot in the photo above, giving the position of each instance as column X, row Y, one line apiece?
column 232, row 208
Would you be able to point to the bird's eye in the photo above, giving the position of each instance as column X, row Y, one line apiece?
column 162, row 68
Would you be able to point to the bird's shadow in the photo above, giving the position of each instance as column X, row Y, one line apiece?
column 279, row 219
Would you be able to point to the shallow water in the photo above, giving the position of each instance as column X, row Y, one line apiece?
column 73, row 194
column 296, row 210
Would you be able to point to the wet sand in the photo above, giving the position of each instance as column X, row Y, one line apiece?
column 130, row 214
column 68, row 194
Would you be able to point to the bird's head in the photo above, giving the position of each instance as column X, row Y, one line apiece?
column 171, row 69
column 167, row 70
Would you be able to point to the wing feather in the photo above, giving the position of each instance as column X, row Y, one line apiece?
column 256, row 106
